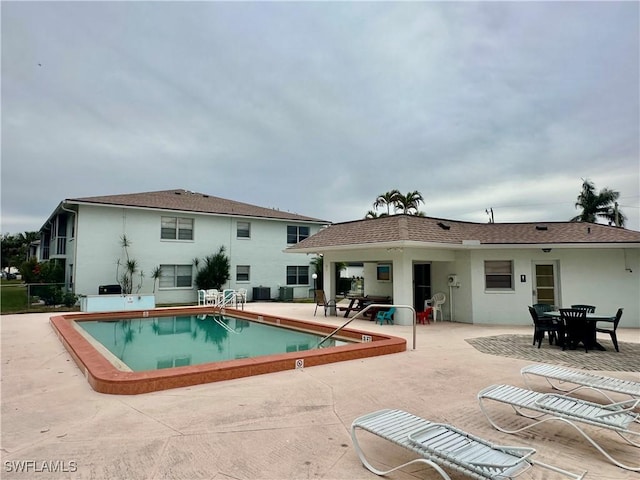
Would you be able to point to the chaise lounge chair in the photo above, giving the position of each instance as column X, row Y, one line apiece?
column 443, row 446
column 556, row 377
column 541, row 407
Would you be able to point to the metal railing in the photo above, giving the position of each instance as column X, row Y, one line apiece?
column 361, row 314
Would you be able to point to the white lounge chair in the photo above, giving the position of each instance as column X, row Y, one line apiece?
column 542, row 407
column 557, row 377
column 443, row 446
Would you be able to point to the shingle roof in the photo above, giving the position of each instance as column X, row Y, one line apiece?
column 410, row 228
column 186, row 201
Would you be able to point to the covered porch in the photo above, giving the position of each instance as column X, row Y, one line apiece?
column 408, row 275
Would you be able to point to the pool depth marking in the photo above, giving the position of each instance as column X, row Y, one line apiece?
column 104, row 377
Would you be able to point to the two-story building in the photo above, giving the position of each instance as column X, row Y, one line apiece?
column 170, row 229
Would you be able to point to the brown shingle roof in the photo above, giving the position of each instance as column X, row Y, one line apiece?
column 409, row 228
column 186, row 201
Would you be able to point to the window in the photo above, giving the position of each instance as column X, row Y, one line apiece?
column 174, row 276
column 383, row 272
column 296, row 234
column 242, row 273
column 243, row 230
column 176, row 228
column 298, row 275
column 498, row 274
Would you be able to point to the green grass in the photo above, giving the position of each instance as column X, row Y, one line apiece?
column 13, row 296
column 13, row 299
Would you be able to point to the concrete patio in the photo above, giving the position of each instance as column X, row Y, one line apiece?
column 288, row 425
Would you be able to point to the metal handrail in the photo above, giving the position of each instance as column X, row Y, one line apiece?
column 363, row 311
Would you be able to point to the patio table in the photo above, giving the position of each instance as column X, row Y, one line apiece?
column 590, row 326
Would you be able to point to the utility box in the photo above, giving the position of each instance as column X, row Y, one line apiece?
column 110, row 290
column 286, row 294
column 261, row 294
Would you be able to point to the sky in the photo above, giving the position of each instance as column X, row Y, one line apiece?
column 317, row 108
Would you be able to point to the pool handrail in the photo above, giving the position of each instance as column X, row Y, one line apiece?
column 363, row 311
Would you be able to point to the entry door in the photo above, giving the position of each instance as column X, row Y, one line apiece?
column 421, row 285
column 545, row 290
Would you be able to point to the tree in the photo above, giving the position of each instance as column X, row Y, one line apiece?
column 598, row 205
column 16, row 247
column 388, row 200
column 409, row 204
column 318, row 266
column 215, row 271
column 130, row 268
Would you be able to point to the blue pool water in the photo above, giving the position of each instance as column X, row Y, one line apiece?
column 164, row 342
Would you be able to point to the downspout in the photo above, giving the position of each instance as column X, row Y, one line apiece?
column 75, row 249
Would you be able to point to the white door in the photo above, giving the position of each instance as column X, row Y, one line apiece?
column 545, row 284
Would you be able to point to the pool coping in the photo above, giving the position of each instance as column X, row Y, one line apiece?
column 104, row 377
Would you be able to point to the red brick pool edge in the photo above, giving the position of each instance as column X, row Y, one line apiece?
column 104, row 377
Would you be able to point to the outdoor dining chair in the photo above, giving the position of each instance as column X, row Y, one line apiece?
column 322, row 301
column 612, row 331
column 575, row 324
column 588, row 308
column 436, row 303
column 554, row 329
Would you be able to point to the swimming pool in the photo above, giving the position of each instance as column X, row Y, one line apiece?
column 142, row 344
column 106, row 373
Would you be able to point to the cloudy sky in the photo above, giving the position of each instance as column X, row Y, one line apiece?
column 316, row 108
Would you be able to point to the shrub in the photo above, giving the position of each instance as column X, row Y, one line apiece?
column 215, row 272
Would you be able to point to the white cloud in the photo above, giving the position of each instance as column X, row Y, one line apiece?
column 319, row 107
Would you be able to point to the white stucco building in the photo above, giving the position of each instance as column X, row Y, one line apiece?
column 170, row 229
column 490, row 272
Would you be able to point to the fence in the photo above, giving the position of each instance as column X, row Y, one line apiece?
column 49, row 294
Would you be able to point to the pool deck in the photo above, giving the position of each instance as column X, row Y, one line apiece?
column 293, row 424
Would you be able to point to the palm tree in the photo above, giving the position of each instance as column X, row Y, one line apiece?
column 598, row 205
column 371, row 214
column 387, row 199
column 409, row 203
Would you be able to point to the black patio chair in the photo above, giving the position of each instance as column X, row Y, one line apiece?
column 612, row 331
column 554, row 329
column 575, row 324
column 542, row 308
column 588, row 308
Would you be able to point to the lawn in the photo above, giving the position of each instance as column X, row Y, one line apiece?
column 13, row 297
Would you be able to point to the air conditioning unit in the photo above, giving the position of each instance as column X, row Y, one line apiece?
column 452, row 281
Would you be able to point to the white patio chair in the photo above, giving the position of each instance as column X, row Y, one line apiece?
column 202, row 295
column 443, row 446
column 557, row 378
column 436, row 303
column 543, row 407
column 241, row 296
column 212, row 297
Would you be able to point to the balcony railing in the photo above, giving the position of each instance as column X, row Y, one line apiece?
column 60, row 245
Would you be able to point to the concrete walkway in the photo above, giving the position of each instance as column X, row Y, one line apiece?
column 287, row 425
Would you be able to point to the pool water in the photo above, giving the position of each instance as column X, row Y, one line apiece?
column 156, row 343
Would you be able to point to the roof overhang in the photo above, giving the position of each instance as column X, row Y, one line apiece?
column 466, row 245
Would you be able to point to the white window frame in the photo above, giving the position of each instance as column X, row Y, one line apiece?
column 180, row 224
column 493, row 269
column 299, row 269
column 247, row 230
column 173, row 274
column 298, row 236
column 238, row 273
